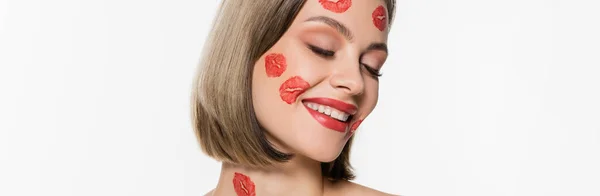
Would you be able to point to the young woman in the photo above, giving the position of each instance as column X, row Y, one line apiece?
column 282, row 87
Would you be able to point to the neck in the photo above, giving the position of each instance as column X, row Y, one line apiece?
column 298, row 176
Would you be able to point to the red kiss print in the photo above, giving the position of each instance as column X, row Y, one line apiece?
column 243, row 185
column 355, row 126
column 337, row 6
column 275, row 64
column 291, row 88
column 379, row 18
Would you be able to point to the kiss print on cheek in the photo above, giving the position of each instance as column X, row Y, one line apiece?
column 355, row 126
column 243, row 185
column 291, row 88
column 275, row 64
column 337, row 6
column 379, row 18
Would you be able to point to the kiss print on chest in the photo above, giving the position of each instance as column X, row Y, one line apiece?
column 337, row 6
column 379, row 18
column 243, row 185
column 275, row 64
column 292, row 88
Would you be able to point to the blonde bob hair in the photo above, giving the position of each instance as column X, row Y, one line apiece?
column 222, row 113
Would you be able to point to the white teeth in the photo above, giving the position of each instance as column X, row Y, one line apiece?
column 333, row 113
column 345, row 117
column 312, row 106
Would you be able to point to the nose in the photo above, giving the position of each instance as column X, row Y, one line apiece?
column 348, row 79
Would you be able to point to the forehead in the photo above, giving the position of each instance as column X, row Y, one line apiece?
column 358, row 17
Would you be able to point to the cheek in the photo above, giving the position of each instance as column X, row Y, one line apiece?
column 375, row 96
column 274, row 80
column 284, row 73
column 275, row 64
column 303, row 72
column 292, row 88
column 305, row 64
column 264, row 88
column 368, row 102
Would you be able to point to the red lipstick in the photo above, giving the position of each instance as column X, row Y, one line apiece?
column 379, row 18
column 243, row 185
column 338, row 105
column 292, row 88
column 275, row 64
column 355, row 126
column 339, row 6
column 326, row 120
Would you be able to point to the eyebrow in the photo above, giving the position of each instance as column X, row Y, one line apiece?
column 335, row 24
column 378, row 46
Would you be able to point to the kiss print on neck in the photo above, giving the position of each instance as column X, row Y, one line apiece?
column 337, row 6
column 243, row 185
column 292, row 88
column 355, row 126
column 379, row 18
column 275, row 64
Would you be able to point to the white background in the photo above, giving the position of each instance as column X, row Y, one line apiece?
column 477, row 98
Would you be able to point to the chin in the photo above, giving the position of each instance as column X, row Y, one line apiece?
column 325, row 155
column 327, row 158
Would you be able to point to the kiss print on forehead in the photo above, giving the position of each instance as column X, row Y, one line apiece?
column 292, row 88
column 243, row 185
column 275, row 64
column 379, row 18
column 355, row 126
column 337, row 6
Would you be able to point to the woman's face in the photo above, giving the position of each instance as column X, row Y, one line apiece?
column 314, row 87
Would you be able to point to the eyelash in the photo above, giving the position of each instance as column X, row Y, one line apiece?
column 328, row 54
column 322, row 52
column 374, row 72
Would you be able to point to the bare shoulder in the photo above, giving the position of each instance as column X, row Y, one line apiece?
column 351, row 188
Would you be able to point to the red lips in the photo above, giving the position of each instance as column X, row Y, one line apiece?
column 275, row 64
column 291, row 88
column 336, row 104
column 326, row 120
column 379, row 18
column 339, row 6
column 243, row 185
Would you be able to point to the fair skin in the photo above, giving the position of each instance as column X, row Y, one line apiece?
column 336, row 63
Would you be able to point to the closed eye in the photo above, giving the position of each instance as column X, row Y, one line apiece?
column 322, row 52
column 375, row 73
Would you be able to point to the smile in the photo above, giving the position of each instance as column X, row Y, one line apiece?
column 332, row 114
